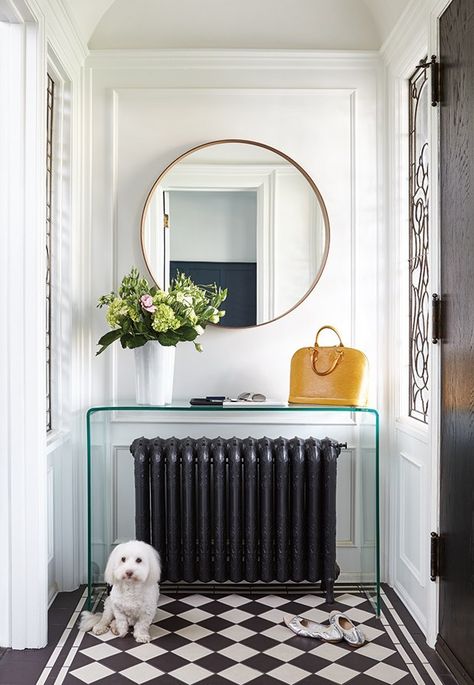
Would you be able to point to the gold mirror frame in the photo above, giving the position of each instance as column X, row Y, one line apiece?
column 288, row 159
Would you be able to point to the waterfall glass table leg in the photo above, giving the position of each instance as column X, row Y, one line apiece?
column 111, row 493
column 100, row 499
column 368, row 434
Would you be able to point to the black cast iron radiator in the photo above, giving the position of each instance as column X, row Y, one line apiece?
column 239, row 510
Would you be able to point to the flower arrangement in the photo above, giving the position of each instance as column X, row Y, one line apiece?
column 140, row 312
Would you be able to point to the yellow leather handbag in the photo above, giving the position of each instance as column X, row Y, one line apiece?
column 329, row 375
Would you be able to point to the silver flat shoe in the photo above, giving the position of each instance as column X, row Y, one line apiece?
column 350, row 633
column 306, row 628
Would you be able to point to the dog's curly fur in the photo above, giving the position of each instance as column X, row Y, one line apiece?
column 133, row 569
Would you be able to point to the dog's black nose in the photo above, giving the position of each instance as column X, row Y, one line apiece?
column 129, row 574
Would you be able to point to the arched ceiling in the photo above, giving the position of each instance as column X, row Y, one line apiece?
column 278, row 24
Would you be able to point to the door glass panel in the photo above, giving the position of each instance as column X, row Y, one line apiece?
column 418, row 246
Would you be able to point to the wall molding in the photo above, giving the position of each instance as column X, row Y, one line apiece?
column 256, row 59
column 416, row 572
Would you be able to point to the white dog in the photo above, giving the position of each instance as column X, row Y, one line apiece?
column 133, row 569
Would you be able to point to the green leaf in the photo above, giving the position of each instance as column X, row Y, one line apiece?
column 136, row 341
column 186, row 333
column 168, row 339
column 110, row 337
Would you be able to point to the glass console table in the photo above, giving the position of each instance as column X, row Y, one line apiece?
column 111, row 495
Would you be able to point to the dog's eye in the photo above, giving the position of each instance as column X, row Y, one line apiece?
column 138, row 560
column 124, row 559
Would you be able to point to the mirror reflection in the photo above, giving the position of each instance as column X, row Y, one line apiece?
column 241, row 215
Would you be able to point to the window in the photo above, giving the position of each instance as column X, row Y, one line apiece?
column 418, row 267
column 49, row 242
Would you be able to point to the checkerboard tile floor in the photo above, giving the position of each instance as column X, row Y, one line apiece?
column 220, row 640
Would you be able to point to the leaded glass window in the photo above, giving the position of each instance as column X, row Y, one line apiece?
column 418, row 244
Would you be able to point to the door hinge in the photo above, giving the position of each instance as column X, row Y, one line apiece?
column 435, row 318
column 433, row 64
column 434, row 556
column 166, row 221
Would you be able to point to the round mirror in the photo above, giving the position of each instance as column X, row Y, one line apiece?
column 242, row 215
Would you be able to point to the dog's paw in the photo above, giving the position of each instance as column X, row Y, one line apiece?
column 142, row 637
column 100, row 629
column 113, row 627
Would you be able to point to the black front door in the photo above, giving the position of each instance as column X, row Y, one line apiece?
column 456, row 628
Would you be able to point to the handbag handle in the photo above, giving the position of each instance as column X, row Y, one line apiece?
column 339, row 353
column 331, row 328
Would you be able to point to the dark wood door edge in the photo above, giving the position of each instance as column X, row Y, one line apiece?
column 451, row 661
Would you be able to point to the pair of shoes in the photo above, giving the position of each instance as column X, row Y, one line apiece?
column 340, row 628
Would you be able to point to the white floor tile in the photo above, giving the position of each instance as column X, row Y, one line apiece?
column 145, row 652
column 156, row 631
column 237, row 633
column 195, row 615
column 358, row 615
column 235, row 615
column 376, row 652
column 92, row 672
column 192, row 673
column 164, row 599
column 316, row 615
column 274, row 615
column 371, row 633
column 337, row 673
column 192, row 651
column 161, row 615
column 141, row 673
column 386, row 673
column 240, row 674
column 350, row 600
column 329, row 652
column 238, row 652
column 279, row 632
column 234, row 600
column 284, row 652
column 194, row 632
column 272, row 600
column 310, row 600
column 289, row 674
column 99, row 652
column 195, row 600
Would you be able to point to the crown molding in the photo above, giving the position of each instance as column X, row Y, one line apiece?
column 411, row 29
column 61, row 33
column 193, row 59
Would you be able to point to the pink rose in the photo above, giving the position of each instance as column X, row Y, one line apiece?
column 146, row 302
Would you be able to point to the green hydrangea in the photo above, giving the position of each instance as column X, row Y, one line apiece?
column 118, row 310
column 133, row 313
column 164, row 319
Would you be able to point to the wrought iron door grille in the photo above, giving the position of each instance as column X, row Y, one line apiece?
column 49, row 218
column 418, row 266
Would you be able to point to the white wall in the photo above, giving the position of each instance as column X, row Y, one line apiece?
column 322, row 110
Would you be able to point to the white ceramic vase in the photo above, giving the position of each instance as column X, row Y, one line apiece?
column 154, row 366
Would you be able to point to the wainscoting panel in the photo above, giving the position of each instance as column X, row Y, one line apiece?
column 411, row 476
